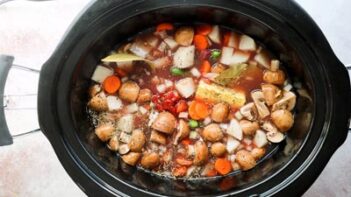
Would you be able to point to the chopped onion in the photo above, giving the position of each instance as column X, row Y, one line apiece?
column 152, row 117
column 193, row 135
column 288, row 87
column 232, row 144
column 132, row 108
column 114, row 103
column 183, row 115
column 168, row 83
column 195, row 72
column 247, row 43
column 101, row 73
column 238, row 115
column 215, row 35
column 260, row 138
column 161, row 88
column 172, row 44
column 184, row 57
column 124, row 137
column 224, row 126
column 124, row 79
column 142, row 110
column 207, row 121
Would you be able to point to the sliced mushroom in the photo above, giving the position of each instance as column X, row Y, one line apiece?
column 105, row 132
column 184, row 36
column 287, row 102
column 274, row 77
column 248, row 127
column 262, row 109
column 129, row 91
column 249, row 111
column 201, row 153
column 212, row 133
column 144, row 95
column 258, row 153
column 271, row 93
column 245, row 160
column 283, row 119
column 158, row 137
column 220, row 112
column 183, row 131
column 268, row 126
column 165, row 123
column 137, row 140
column 98, row 103
column 150, row 160
column 218, row 149
column 113, row 144
column 131, row 158
column 123, row 149
column 275, row 137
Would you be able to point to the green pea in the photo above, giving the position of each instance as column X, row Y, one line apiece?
column 215, row 54
column 176, row 71
column 193, row 124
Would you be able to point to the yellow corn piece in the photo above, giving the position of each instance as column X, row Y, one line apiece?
column 216, row 93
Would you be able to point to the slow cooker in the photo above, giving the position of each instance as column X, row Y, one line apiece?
column 322, row 116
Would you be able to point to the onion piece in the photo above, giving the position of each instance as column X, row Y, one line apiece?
column 247, row 43
column 235, row 130
column 184, row 57
column 125, row 123
column 132, row 108
column 185, row 87
column 260, row 138
column 195, row 72
column 215, row 35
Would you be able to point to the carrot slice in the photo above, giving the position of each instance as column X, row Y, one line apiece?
column 202, row 110
column 111, row 84
column 120, row 72
column 226, row 38
column 212, row 172
column 164, row 27
column 200, row 42
column 223, row 166
column 186, row 142
column 179, row 171
column 205, row 67
column 192, row 111
column 203, row 29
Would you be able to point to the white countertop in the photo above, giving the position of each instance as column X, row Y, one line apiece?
column 30, row 31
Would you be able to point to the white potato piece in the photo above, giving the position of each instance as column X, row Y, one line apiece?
column 263, row 59
column 247, row 43
column 234, row 40
column 260, row 138
column 235, row 130
column 184, row 57
column 185, row 87
column 230, row 56
column 140, row 48
column 101, row 73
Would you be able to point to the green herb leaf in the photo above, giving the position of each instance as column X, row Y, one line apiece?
column 230, row 74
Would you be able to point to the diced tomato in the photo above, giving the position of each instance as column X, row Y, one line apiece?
column 182, row 106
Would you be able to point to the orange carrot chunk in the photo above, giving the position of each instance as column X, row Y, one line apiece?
column 203, row 29
column 223, row 166
column 202, row 110
column 205, row 67
column 200, row 42
column 164, row 27
column 111, row 84
column 192, row 111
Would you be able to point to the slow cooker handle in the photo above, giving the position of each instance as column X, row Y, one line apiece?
column 6, row 63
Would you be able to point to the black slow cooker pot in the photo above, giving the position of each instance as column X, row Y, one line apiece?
column 321, row 120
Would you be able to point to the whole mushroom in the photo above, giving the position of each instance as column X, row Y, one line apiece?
column 131, row 158
column 249, row 127
column 150, row 160
column 165, row 123
column 283, row 119
column 137, row 140
column 245, row 160
column 129, row 91
column 212, row 133
column 220, row 112
column 218, row 149
column 105, row 132
column 201, row 153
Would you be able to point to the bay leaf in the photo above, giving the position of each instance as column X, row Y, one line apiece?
column 125, row 57
column 230, row 74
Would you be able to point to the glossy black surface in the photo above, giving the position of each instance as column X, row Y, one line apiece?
column 321, row 117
